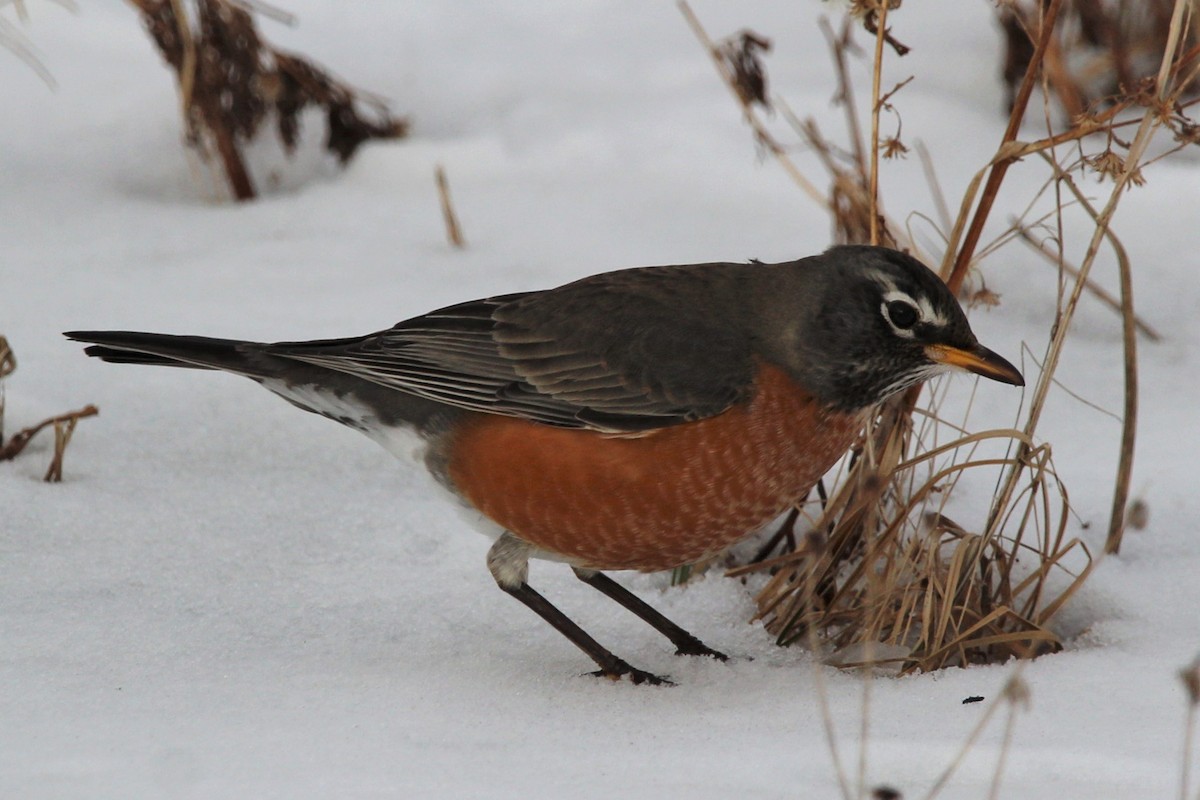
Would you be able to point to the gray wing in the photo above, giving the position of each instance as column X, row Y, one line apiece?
column 622, row 352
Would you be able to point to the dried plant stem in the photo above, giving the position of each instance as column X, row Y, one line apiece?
column 876, row 106
column 967, row 744
column 1002, row 757
column 827, row 717
column 1025, row 233
column 1000, row 166
column 1102, row 122
column 1016, row 693
column 935, row 187
column 22, row 437
column 868, row 676
column 62, row 437
column 837, row 47
column 1014, row 150
column 848, row 202
column 864, row 721
column 1116, row 521
column 453, row 229
column 761, row 134
column 1149, row 123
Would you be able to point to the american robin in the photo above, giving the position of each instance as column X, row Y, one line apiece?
column 637, row 419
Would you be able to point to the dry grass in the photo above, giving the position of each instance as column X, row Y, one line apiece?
column 922, row 590
column 883, row 575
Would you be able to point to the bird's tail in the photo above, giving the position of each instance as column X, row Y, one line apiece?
column 342, row 396
column 195, row 352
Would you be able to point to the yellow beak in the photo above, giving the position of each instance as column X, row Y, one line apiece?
column 978, row 359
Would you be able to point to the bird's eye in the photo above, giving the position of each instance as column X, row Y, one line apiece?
column 903, row 315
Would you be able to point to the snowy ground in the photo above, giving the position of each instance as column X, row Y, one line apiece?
column 230, row 599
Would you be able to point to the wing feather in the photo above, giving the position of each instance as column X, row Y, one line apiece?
column 620, row 352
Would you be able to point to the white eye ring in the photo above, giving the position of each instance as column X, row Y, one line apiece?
column 896, row 302
column 902, row 314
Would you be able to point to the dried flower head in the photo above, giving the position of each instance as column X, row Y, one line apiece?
column 741, row 54
column 1110, row 165
column 892, row 147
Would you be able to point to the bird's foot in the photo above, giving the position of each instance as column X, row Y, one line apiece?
column 637, row 676
column 694, row 647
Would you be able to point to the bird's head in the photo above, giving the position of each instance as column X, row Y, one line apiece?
column 872, row 321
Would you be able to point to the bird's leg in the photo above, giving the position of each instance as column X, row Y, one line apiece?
column 685, row 643
column 610, row 665
column 508, row 561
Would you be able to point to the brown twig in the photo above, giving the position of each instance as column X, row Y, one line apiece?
column 453, row 230
column 879, row 17
column 1129, row 337
column 1120, row 501
column 996, row 175
column 22, row 438
column 761, row 134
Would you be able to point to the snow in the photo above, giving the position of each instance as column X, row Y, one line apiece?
column 229, row 599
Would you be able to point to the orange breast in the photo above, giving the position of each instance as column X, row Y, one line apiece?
column 655, row 501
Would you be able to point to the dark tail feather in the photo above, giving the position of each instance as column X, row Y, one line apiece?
column 114, row 356
column 196, row 352
column 261, row 362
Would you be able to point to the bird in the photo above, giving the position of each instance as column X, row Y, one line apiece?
column 639, row 419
